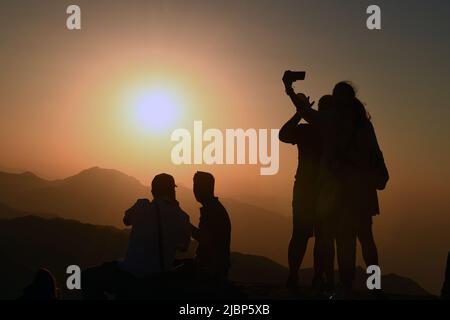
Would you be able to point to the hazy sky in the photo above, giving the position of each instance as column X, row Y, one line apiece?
column 65, row 102
column 62, row 90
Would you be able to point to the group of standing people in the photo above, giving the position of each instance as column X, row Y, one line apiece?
column 340, row 169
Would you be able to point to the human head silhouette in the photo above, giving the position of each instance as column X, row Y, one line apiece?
column 345, row 95
column 43, row 287
column 344, row 91
column 203, row 186
column 163, row 186
column 326, row 103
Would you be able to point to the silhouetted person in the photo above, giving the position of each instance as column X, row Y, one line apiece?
column 363, row 162
column 346, row 175
column 308, row 140
column 371, row 166
column 43, row 287
column 159, row 229
column 445, row 292
column 213, row 234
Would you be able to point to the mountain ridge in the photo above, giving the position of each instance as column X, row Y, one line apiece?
column 28, row 243
column 101, row 196
column 255, row 229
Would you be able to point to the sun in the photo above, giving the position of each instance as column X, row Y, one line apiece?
column 155, row 109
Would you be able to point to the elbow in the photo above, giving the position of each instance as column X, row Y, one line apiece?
column 282, row 136
column 285, row 139
column 126, row 221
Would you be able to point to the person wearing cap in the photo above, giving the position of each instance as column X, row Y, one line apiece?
column 158, row 229
column 214, row 231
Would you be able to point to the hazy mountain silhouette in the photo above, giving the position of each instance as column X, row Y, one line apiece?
column 263, row 271
column 95, row 195
column 100, row 196
column 6, row 212
column 13, row 184
column 256, row 269
column 28, row 243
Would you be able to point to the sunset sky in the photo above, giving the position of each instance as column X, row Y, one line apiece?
column 69, row 98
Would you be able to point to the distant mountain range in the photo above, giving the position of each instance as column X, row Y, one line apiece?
column 29, row 242
column 95, row 195
column 101, row 196
column 6, row 212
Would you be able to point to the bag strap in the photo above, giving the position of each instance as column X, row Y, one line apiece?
column 160, row 237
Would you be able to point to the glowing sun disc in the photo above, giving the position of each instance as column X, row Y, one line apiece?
column 156, row 109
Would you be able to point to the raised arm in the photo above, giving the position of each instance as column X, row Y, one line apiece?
column 287, row 132
column 303, row 106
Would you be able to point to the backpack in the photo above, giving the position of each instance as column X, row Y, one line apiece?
column 377, row 170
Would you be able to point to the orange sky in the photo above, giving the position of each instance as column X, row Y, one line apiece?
column 61, row 91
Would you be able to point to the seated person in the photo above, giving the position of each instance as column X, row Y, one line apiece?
column 159, row 229
column 43, row 287
column 213, row 233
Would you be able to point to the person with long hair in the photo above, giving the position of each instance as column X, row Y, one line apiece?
column 347, row 197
